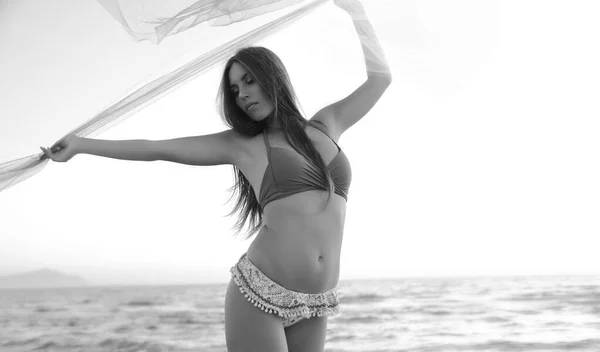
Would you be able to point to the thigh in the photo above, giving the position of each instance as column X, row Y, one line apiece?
column 247, row 328
column 307, row 335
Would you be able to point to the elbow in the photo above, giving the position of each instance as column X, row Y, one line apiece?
column 387, row 78
column 156, row 151
column 383, row 78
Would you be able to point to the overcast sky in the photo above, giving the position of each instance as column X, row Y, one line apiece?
column 480, row 159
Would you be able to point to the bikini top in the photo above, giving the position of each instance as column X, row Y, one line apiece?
column 288, row 172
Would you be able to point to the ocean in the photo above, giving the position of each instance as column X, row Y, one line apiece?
column 542, row 314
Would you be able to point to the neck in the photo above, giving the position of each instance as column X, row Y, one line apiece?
column 271, row 123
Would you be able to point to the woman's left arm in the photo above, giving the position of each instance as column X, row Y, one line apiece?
column 343, row 114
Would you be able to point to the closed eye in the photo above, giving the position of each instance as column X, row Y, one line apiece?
column 247, row 79
column 234, row 88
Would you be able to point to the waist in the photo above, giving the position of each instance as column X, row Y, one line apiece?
column 296, row 270
column 300, row 252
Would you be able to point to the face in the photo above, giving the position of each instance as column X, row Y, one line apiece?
column 248, row 94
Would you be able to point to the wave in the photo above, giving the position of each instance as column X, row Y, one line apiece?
column 587, row 298
column 375, row 315
column 57, row 346
column 438, row 312
column 542, row 346
column 20, row 343
column 362, row 298
column 126, row 345
column 359, row 319
column 47, row 345
column 430, row 309
column 338, row 338
column 46, row 309
column 122, row 329
column 510, row 346
column 142, row 303
column 500, row 320
column 191, row 318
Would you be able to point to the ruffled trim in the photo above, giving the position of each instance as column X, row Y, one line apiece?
column 272, row 298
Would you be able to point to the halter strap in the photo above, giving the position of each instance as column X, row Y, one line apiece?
column 267, row 144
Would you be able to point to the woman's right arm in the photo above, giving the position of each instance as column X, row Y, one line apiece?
column 137, row 149
column 225, row 147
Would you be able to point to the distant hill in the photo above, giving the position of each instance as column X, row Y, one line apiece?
column 44, row 278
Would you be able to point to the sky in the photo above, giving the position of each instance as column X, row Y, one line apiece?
column 481, row 158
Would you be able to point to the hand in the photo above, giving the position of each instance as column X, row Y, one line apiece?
column 350, row 6
column 63, row 150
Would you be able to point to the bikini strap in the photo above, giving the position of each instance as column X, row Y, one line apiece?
column 267, row 144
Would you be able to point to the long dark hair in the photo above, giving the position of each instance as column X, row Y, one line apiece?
column 272, row 77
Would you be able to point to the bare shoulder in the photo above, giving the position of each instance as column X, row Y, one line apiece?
column 325, row 117
column 239, row 140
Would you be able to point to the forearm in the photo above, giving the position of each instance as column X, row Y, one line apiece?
column 138, row 149
column 375, row 61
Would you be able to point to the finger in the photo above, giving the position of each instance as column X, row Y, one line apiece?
column 58, row 144
column 47, row 153
column 44, row 156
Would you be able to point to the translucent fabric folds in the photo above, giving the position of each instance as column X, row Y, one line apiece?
column 154, row 20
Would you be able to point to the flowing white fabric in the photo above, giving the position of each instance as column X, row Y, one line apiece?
column 154, row 20
column 220, row 27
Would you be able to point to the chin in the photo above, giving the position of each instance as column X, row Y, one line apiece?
column 257, row 118
column 261, row 118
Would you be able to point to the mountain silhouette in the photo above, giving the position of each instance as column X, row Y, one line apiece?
column 44, row 278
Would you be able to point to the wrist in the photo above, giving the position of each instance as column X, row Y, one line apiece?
column 79, row 144
column 359, row 17
column 357, row 12
column 352, row 7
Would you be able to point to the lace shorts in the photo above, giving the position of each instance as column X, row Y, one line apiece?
column 269, row 296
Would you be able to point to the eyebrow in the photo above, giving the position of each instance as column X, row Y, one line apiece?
column 243, row 78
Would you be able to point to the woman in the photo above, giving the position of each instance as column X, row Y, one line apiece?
column 292, row 180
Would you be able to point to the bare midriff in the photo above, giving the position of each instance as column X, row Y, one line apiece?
column 299, row 246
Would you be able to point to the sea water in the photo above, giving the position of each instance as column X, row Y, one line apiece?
column 542, row 314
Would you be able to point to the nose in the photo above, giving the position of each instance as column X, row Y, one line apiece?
column 242, row 94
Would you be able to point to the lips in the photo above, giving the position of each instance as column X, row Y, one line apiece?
column 249, row 105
